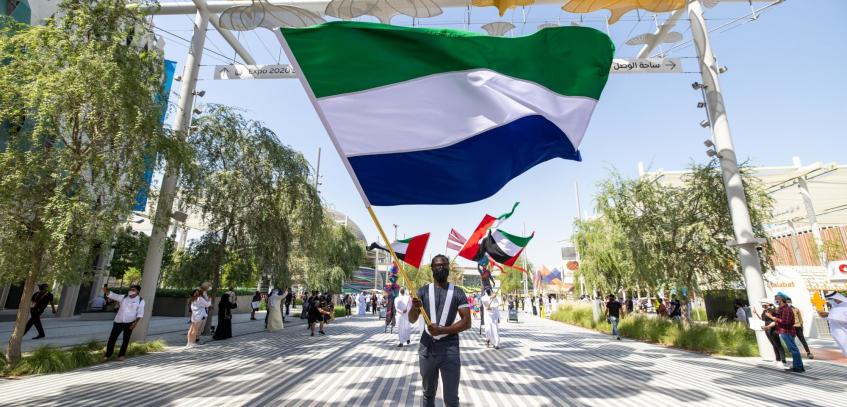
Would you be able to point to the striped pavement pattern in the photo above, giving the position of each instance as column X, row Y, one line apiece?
column 541, row 363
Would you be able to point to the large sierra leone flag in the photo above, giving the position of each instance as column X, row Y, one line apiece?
column 432, row 116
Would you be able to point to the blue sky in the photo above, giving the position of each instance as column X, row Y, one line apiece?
column 784, row 92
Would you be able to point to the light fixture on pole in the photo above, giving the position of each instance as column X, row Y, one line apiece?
column 704, row 124
column 708, row 143
column 723, row 69
column 701, row 105
column 200, row 93
column 197, row 111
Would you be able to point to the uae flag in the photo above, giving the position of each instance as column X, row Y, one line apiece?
column 409, row 250
column 470, row 248
column 412, row 107
column 502, row 247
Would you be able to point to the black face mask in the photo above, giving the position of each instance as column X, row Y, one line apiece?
column 440, row 273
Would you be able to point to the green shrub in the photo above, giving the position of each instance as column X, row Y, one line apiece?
column 721, row 337
column 699, row 314
column 579, row 315
column 45, row 359
column 84, row 355
column 340, row 311
column 140, row 348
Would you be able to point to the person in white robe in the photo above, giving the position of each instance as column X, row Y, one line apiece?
column 837, row 317
column 492, row 318
column 527, row 305
column 274, row 310
column 402, row 305
column 361, row 303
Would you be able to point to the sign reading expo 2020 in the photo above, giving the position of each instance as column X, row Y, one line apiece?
column 254, row 71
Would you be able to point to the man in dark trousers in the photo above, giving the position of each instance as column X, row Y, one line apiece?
column 129, row 313
column 288, row 298
column 38, row 304
column 676, row 308
column 438, row 352
column 613, row 314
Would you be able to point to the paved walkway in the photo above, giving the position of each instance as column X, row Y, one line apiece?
column 542, row 363
column 64, row 332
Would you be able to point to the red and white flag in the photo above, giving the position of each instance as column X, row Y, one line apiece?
column 455, row 241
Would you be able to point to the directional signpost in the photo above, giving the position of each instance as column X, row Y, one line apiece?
column 646, row 65
column 254, row 71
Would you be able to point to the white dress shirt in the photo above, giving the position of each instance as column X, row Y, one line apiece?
column 131, row 308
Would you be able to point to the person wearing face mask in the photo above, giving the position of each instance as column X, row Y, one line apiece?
column 837, row 317
column 130, row 312
column 438, row 352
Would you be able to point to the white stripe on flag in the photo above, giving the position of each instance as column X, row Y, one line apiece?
column 456, row 237
column 387, row 120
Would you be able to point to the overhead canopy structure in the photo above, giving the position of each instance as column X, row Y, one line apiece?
column 827, row 193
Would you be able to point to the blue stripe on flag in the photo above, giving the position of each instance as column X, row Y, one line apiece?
column 479, row 166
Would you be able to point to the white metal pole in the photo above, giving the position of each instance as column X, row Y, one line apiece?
column 812, row 216
column 526, row 270
column 745, row 240
column 318, row 171
column 156, row 247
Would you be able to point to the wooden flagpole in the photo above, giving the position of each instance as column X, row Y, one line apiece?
column 311, row 94
column 397, row 261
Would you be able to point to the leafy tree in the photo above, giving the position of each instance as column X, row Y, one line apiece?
column 657, row 235
column 336, row 253
column 130, row 249
column 195, row 264
column 72, row 148
column 132, row 276
column 511, row 281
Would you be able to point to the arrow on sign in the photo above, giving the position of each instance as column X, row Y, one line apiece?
column 672, row 64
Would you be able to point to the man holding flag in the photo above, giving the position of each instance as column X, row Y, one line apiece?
column 439, row 347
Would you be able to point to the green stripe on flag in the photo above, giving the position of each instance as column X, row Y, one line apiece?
column 519, row 241
column 345, row 56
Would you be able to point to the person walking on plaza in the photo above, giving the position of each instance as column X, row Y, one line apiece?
column 662, row 310
column 38, row 303
column 438, row 352
column 274, row 310
column 225, row 307
column 784, row 319
column 492, row 318
column 534, row 309
column 798, row 327
column 315, row 314
column 771, row 333
column 402, row 305
column 361, row 304
column 200, row 304
column 676, row 308
column 254, row 305
column 348, row 305
column 613, row 314
column 327, row 309
column 837, row 318
column 373, row 304
column 289, row 297
column 130, row 312
column 740, row 314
